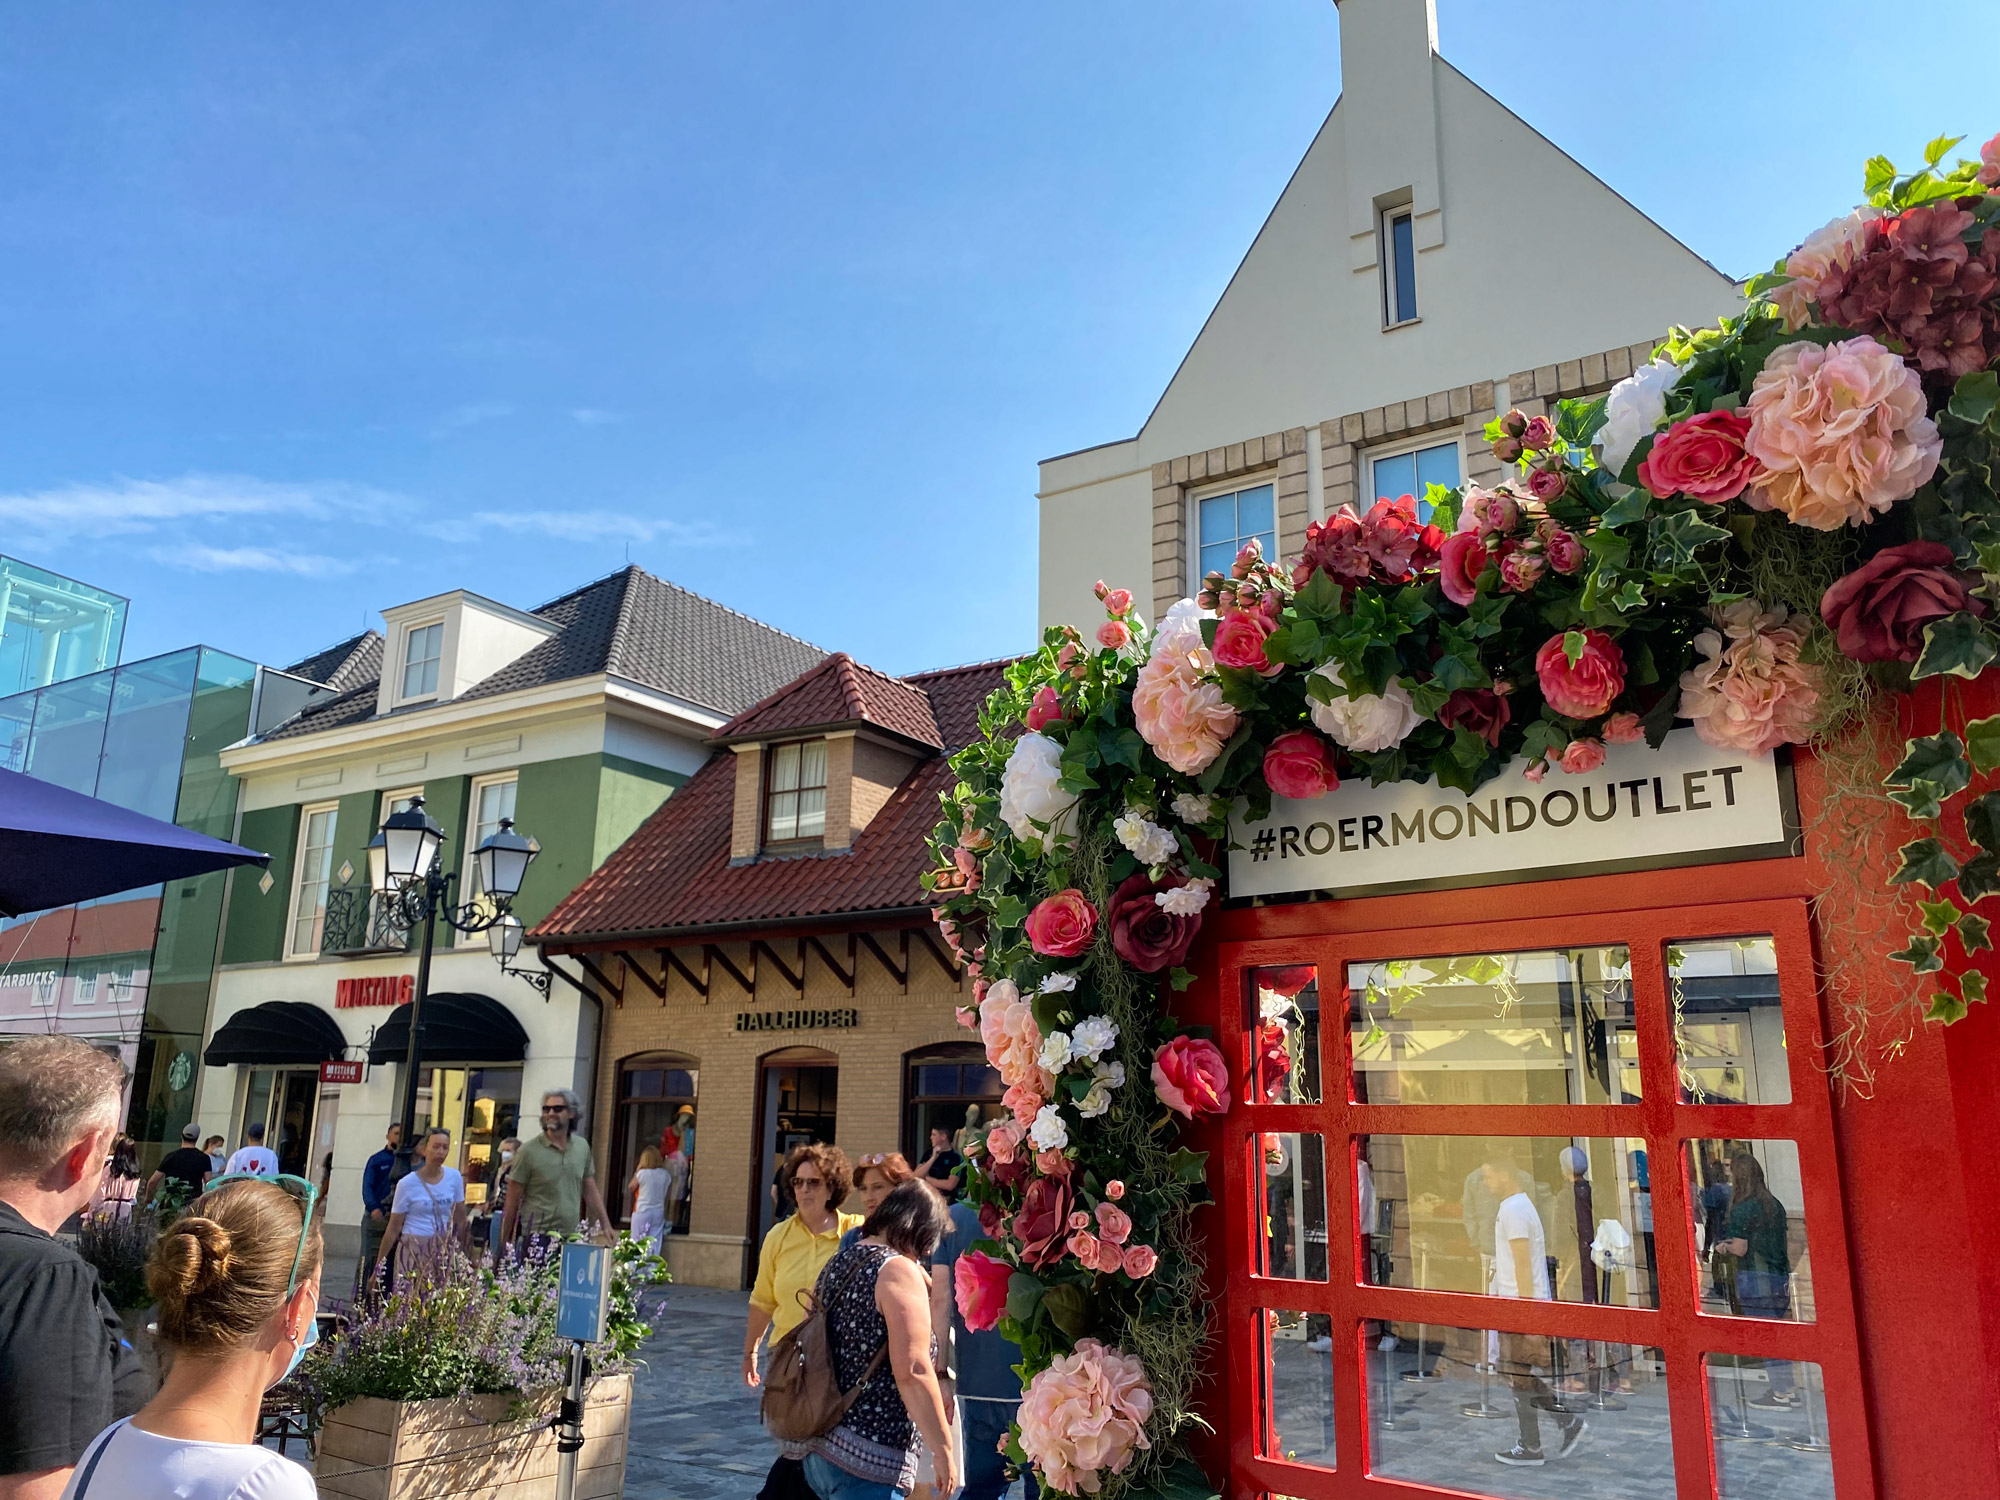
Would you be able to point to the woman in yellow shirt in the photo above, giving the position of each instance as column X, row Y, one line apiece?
column 819, row 1179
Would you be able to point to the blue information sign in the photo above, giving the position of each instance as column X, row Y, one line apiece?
column 585, row 1296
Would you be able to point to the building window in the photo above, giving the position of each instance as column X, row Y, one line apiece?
column 87, row 981
column 1399, row 268
column 656, row 1105
column 313, row 873
column 1413, row 471
column 1229, row 522
column 48, row 984
column 795, row 792
column 423, row 648
column 948, row 1088
column 492, row 800
column 124, row 984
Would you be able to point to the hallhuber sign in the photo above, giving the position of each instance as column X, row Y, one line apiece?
column 1686, row 803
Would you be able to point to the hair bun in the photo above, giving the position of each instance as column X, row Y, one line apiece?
column 195, row 1256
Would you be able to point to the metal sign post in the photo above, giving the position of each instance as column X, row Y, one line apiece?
column 583, row 1303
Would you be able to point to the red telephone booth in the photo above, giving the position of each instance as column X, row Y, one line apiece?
column 1488, row 1143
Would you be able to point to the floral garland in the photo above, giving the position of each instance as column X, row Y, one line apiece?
column 1773, row 521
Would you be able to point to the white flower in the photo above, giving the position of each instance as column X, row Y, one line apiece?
column 1092, row 1037
column 1366, row 723
column 1051, row 983
column 1055, row 1051
column 1029, row 791
column 1048, row 1132
column 1149, row 842
column 1634, row 409
column 1002, row 992
column 1272, row 1006
column 1179, row 636
column 1097, row 1099
column 1183, row 900
column 1192, row 807
column 1110, row 1074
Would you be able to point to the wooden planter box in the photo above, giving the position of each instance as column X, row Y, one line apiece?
column 488, row 1446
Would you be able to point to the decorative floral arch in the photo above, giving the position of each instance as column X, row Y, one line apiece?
column 1775, row 523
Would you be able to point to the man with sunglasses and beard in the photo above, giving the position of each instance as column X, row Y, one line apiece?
column 553, row 1184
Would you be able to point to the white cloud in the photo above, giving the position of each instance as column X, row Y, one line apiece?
column 203, row 559
column 607, row 526
column 126, row 506
column 590, row 416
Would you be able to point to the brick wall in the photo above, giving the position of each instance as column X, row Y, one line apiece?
column 748, row 809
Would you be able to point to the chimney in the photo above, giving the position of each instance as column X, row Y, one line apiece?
column 1388, row 114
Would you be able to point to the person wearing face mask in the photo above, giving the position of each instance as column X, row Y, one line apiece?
column 498, row 1197
column 237, row 1283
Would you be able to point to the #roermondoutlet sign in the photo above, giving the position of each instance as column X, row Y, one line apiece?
column 1686, row 803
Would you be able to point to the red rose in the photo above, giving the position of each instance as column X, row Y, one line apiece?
column 979, row 1286
column 1481, row 710
column 1563, row 550
column 1239, row 642
column 1274, row 1057
column 1145, row 934
column 1189, row 1077
column 1286, row 981
column 1045, row 710
column 1701, row 457
column 1042, row 1224
column 1879, row 611
column 1062, row 925
column 1300, row 765
column 1461, row 560
column 1583, row 689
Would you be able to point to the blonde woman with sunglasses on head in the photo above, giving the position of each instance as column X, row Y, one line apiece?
column 237, row 1283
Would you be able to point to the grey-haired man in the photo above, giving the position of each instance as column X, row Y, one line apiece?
column 553, row 1185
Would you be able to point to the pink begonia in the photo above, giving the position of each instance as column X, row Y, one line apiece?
column 1083, row 1245
column 1831, row 247
column 1751, row 692
column 1176, row 706
column 1582, row 756
column 1085, row 1415
column 1140, row 1260
column 1841, row 431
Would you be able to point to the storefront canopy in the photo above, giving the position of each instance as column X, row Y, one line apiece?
column 458, row 1028
column 278, row 1033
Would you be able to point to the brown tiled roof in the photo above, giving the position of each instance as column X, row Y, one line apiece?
column 839, row 691
column 675, row 872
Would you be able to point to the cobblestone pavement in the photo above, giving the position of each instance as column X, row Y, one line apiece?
column 695, row 1434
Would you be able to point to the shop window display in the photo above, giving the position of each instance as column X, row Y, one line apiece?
column 656, row 1108
column 951, row 1088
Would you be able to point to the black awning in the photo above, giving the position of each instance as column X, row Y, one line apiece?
column 287, row 1033
column 458, row 1028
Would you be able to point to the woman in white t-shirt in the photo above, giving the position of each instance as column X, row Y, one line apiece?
column 648, row 1192
column 237, row 1283
column 429, row 1206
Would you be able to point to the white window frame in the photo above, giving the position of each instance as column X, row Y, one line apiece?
column 402, row 661
column 86, row 984
column 1439, row 438
column 1213, row 491
column 468, row 877
column 307, row 813
column 48, row 987
column 1385, row 220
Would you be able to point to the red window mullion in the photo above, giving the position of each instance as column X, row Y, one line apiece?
column 1573, row 1320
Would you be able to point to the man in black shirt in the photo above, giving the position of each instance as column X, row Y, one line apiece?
column 943, row 1167
column 187, row 1169
column 66, row 1372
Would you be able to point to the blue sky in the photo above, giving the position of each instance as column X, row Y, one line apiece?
column 307, row 312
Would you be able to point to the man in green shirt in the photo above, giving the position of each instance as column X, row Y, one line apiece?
column 554, row 1180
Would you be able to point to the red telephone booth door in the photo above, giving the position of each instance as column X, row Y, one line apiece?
column 1536, row 1208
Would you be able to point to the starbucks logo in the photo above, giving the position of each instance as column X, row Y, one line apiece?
column 180, row 1072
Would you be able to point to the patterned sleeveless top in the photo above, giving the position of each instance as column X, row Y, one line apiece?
column 876, row 1440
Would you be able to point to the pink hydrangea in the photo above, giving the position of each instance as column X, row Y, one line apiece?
column 1013, row 1040
column 1750, row 692
column 1841, row 431
column 1084, row 1416
column 1176, row 705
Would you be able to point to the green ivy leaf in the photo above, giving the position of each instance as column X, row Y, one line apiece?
column 1320, row 598
column 1429, row 697
column 1920, row 799
column 1944, row 1008
column 1180, row 978
column 1923, row 955
column 1972, row 984
column 1976, row 396
column 1122, row 748
column 1982, row 822
column 1979, row 877
column 1939, row 916
column 1982, row 743
column 1574, row 642
column 1957, row 644
column 1938, row 759
column 1925, row 862
column 1188, row 1166
column 1627, row 508
column 1975, row 933
column 1009, row 911
column 1212, row 777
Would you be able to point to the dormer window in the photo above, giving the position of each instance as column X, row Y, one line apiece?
column 423, row 649
column 795, row 792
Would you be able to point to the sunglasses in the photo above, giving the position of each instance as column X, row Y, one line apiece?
column 807, row 1182
column 878, row 1159
column 306, row 1194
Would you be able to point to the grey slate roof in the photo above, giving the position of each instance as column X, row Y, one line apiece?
column 353, row 661
column 628, row 624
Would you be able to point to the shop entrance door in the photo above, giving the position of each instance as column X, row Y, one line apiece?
column 798, row 1094
column 1505, row 1189
column 284, row 1101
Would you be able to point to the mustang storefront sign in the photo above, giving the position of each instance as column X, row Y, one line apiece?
column 1685, row 803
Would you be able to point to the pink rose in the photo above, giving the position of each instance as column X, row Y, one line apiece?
column 968, row 1017
column 1079, row 1220
column 1062, row 925
column 1178, row 713
column 1114, row 635
column 1114, row 1225
column 1879, row 611
column 1067, row 655
column 1480, row 710
column 1989, row 162
column 1118, row 601
column 1506, row 449
column 1189, row 1077
column 1582, row 756
column 1496, row 512
column 1538, row 434
column 1140, row 1260
column 1623, row 729
column 1042, row 1223
column 1047, row 709
column 1583, row 690
column 1003, row 1140
column 1300, row 765
column 979, row 1286
column 1461, row 560
column 1114, row 1189
column 1083, row 1246
column 1701, row 457
column 1144, row 933
column 1521, row 571
column 1564, row 550
column 1052, row 1163
column 1239, row 642
column 1025, row 1101
column 1537, row 771
column 1547, row 484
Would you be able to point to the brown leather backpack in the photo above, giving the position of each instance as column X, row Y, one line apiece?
column 802, row 1395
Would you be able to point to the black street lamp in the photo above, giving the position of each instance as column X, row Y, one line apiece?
column 405, row 865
